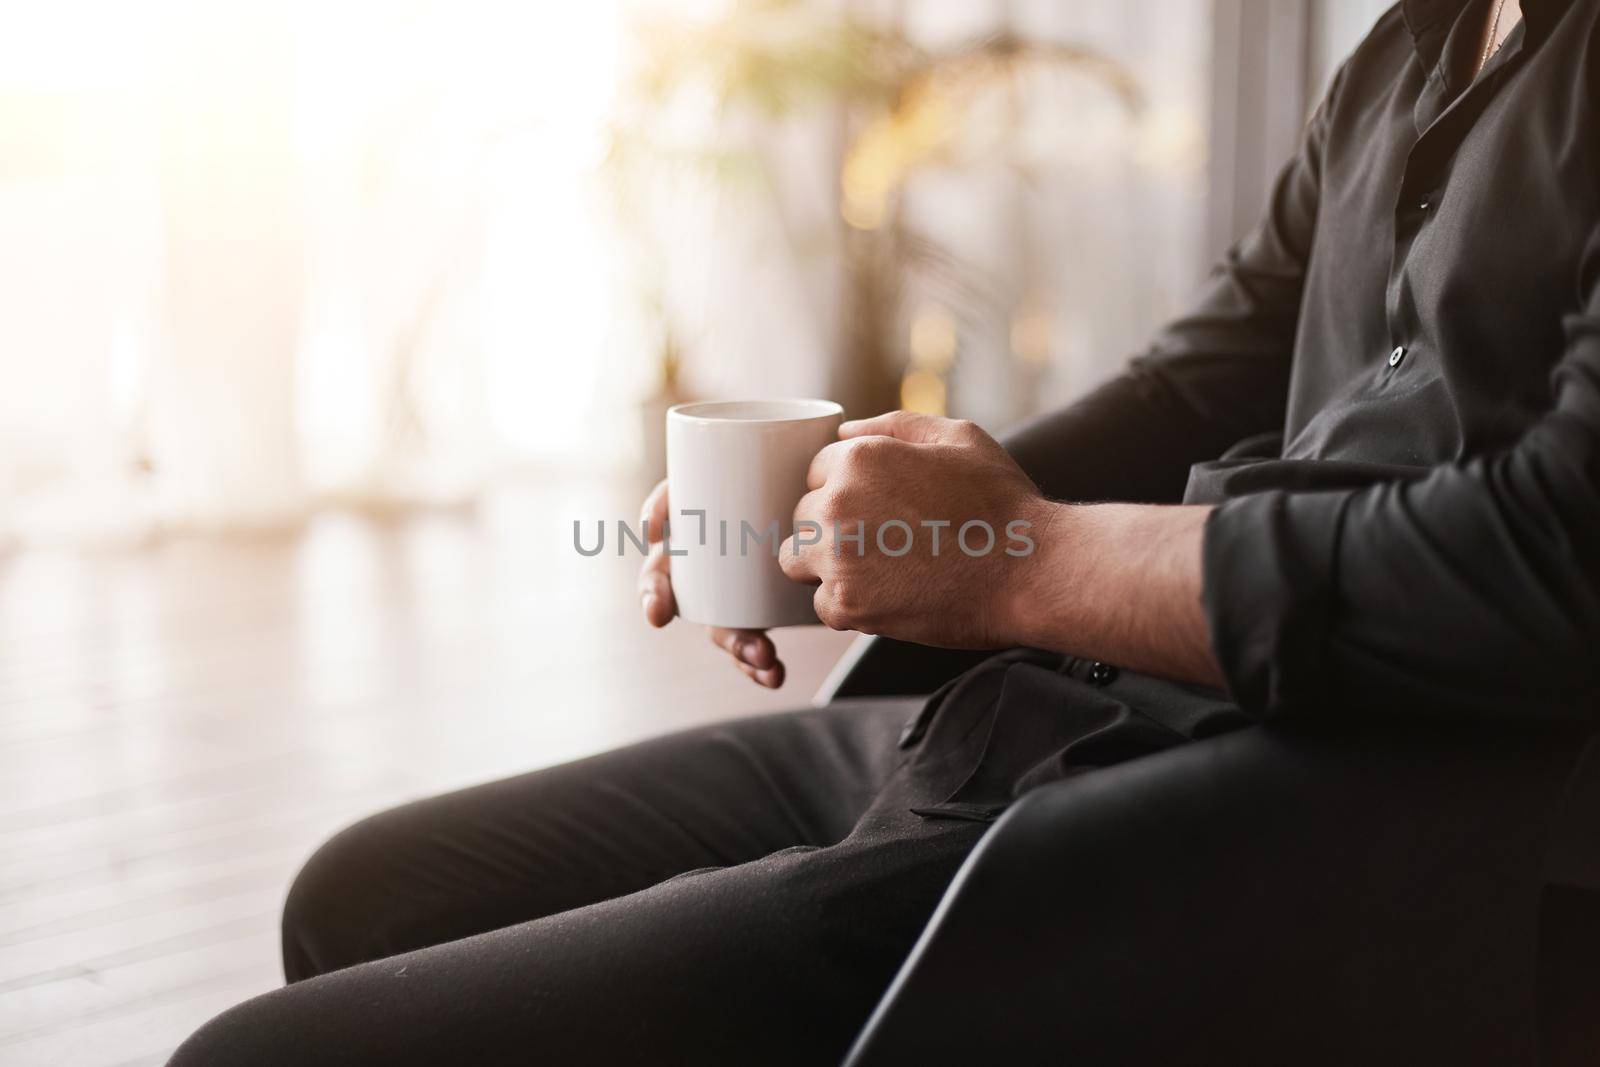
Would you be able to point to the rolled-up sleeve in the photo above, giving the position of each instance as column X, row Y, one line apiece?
column 1472, row 591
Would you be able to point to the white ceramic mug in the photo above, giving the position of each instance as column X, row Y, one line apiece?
column 735, row 471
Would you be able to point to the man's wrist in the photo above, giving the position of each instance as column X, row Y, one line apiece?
column 1042, row 582
column 1119, row 582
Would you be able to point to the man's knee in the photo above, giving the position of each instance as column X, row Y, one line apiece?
column 257, row 1033
column 329, row 917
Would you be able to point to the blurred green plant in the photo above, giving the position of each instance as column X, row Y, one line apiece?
column 903, row 108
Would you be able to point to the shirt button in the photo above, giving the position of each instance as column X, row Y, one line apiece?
column 1102, row 674
column 1397, row 355
column 1425, row 203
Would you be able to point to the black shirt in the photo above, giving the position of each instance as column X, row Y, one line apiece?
column 1392, row 386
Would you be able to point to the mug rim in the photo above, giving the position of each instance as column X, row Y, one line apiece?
column 708, row 412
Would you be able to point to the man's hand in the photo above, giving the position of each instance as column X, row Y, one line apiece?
column 752, row 650
column 910, row 483
column 1117, row 582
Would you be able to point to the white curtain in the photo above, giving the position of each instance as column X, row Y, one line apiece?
column 256, row 256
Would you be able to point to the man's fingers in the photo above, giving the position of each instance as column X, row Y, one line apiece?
column 880, row 435
column 826, row 463
column 655, row 588
column 653, row 515
column 771, row 678
column 753, row 653
column 802, row 554
column 823, row 462
column 750, row 647
column 799, row 562
column 911, row 426
column 655, row 575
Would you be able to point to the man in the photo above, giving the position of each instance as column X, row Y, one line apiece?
column 1383, row 420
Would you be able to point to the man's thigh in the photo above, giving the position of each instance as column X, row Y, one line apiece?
column 509, row 851
column 776, row 960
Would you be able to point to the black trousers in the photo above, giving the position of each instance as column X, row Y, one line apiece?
column 741, row 893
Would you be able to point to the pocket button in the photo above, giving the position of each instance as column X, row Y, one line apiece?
column 1102, row 674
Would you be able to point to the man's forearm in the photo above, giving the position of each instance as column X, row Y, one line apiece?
column 1121, row 583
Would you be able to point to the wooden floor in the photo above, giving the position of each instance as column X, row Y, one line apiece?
column 181, row 724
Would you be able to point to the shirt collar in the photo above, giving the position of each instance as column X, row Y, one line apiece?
column 1430, row 21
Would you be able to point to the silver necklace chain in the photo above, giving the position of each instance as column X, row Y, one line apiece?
column 1489, row 48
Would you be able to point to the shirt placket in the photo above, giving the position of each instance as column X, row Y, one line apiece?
column 1442, row 124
